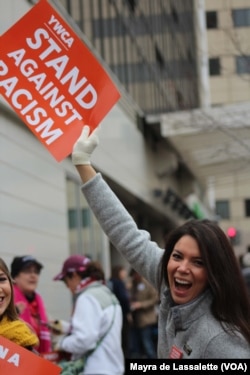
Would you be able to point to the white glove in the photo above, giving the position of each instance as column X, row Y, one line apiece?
column 84, row 146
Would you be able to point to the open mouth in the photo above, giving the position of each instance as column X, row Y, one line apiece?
column 182, row 284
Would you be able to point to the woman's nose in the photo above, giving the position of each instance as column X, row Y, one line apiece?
column 183, row 266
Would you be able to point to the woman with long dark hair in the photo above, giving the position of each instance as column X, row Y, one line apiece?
column 224, row 289
column 204, row 310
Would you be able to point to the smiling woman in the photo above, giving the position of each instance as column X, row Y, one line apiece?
column 11, row 327
column 197, row 275
column 187, row 274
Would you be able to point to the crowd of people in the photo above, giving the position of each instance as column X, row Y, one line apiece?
column 116, row 316
column 79, row 274
column 188, row 300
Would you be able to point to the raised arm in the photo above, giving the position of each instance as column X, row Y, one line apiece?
column 136, row 246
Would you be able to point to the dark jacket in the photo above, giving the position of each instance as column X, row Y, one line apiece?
column 119, row 289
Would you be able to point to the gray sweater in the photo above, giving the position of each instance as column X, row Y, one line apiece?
column 191, row 327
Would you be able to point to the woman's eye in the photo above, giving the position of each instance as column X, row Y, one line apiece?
column 3, row 279
column 176, row 256
column 199, row 263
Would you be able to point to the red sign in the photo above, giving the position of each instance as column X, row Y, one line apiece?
column 52, row 80
column 15, row 360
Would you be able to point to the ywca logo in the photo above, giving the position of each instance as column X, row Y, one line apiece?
column 60, row 31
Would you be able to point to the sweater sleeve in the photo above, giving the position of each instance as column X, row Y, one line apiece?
column 136, row 246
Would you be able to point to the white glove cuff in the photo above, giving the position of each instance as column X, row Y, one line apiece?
column 80, row 158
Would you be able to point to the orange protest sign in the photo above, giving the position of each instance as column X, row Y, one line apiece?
column 15, row 360
column 52, row 80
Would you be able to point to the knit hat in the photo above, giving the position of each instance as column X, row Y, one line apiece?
column 18, row 332
column 20, row 263
column 74, row 263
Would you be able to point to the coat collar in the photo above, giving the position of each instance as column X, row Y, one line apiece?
column 184, row 315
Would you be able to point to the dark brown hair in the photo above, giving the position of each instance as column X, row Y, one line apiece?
column 10, row 312
column 231, row 304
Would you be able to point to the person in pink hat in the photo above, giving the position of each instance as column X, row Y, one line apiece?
column 95, row 326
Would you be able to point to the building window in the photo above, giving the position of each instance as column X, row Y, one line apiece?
column 243, row 64
column 79, row 218
column 211, row 20
column 247, row 207
column 222, row 209
column 85, row 234
column 214, row 66
column 241, row 17
column 72, row 218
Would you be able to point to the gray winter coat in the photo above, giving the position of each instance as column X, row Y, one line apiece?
column 191, row 327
